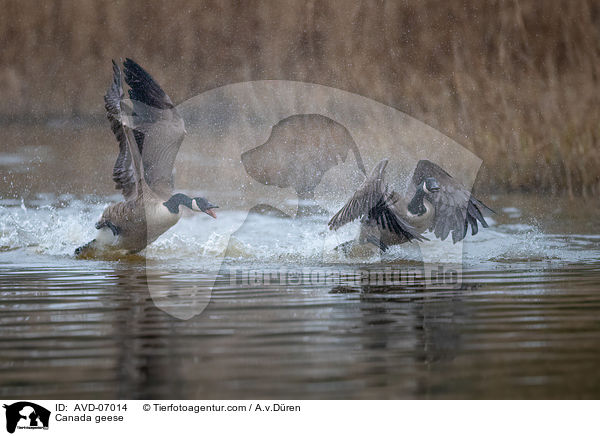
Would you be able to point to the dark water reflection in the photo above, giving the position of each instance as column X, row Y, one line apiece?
column 509, row 333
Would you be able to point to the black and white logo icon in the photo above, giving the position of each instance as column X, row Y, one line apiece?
column 26, row 415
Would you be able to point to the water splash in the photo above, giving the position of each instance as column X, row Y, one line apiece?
column 56, row 226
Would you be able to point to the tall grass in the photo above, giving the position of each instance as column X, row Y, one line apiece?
column 517, row 82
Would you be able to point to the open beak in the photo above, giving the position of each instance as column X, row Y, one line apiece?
column 211, row 212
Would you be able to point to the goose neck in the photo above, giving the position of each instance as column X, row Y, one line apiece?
column 416, row 206
column 176, row 200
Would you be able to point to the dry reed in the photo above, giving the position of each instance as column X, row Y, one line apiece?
column 514, row 81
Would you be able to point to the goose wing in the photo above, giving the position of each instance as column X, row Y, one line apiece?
column 158, row 128
column 374, row 200
column 455, row 207
column 127, row 169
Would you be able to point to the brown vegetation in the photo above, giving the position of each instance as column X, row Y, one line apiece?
column 517, row 82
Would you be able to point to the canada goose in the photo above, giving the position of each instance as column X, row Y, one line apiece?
column 439, row 204
column 144, row 167
column 300, row 150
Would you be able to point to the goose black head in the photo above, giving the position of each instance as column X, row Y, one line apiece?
column 431, row 185
column 201, row 204
column 198, row 204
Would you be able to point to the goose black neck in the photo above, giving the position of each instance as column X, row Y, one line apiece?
column 178, row 199
column 416, row 206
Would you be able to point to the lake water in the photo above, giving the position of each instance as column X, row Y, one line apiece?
column 523, row 323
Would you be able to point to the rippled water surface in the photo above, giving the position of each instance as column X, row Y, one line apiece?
column 524, row 322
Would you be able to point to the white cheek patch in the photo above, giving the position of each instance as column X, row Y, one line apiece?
column 425, row 188
column 195, row 206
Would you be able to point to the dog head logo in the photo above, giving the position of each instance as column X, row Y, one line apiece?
column 24, row 414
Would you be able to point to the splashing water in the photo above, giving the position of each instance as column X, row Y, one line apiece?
column 53, row 228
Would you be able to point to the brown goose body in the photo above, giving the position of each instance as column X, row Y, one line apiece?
column 140, row 221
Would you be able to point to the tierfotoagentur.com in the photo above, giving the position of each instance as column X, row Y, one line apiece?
column 436, row 276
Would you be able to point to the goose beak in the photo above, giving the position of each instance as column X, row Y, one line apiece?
column 211, row 212
column 431, row 185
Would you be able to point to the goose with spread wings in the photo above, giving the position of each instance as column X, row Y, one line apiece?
column 435, row 202
column 149, row 138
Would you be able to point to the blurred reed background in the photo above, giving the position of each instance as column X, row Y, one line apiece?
column 516, row 82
